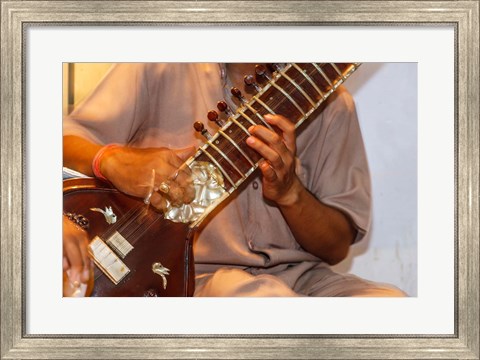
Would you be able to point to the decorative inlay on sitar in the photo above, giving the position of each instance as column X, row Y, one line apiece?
column 225, row 161
column 137, row 250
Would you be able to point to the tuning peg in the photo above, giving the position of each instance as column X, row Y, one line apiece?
column 199, row 127
column 249, row 80
column 261, row 70
column 238, row 94
column 277, row 67
column 212, row 115
column 223, row 107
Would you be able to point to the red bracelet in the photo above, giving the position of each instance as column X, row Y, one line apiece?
column 98, row 158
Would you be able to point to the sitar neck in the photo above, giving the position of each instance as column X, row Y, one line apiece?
column 294, row 91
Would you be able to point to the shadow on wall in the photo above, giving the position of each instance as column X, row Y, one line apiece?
column 357, row 80
column 362, row 76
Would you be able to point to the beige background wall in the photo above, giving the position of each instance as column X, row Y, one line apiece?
column 79, row 80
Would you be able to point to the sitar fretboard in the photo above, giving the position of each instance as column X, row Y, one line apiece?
column 294, row 92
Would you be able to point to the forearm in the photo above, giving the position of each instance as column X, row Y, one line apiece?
column 78, row 154
column 320, row 229
column 130, row 169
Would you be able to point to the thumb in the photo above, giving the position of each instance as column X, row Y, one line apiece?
column 185, row 153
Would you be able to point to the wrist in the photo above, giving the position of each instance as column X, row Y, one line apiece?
column 97, row 163
column 293, row 196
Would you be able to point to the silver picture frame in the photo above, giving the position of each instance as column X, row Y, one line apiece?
column 16, row 16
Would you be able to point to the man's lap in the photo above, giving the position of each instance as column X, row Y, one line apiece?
column 304, row 279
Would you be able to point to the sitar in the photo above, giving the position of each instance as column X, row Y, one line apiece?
column 141, row 252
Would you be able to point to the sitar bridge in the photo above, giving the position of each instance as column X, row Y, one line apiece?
column 107, row 261
column 119, row 244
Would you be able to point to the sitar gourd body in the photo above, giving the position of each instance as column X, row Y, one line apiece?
column 155, row 242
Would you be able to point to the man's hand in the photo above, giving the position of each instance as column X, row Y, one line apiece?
column 280, row 182
column 130, row 170
column 76, row 260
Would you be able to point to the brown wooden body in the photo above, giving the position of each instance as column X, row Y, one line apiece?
column 165, row 241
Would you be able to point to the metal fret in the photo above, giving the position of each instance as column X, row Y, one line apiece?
column 227, row 158
column 298, row 88
column 219, row 167
column 246, row 117
column 289, row 98
column 237, row 147
column 240, row 126
column 310, row 80
column 319, row 69
column 257, row 99
column 338, row 70
column 258, row 115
